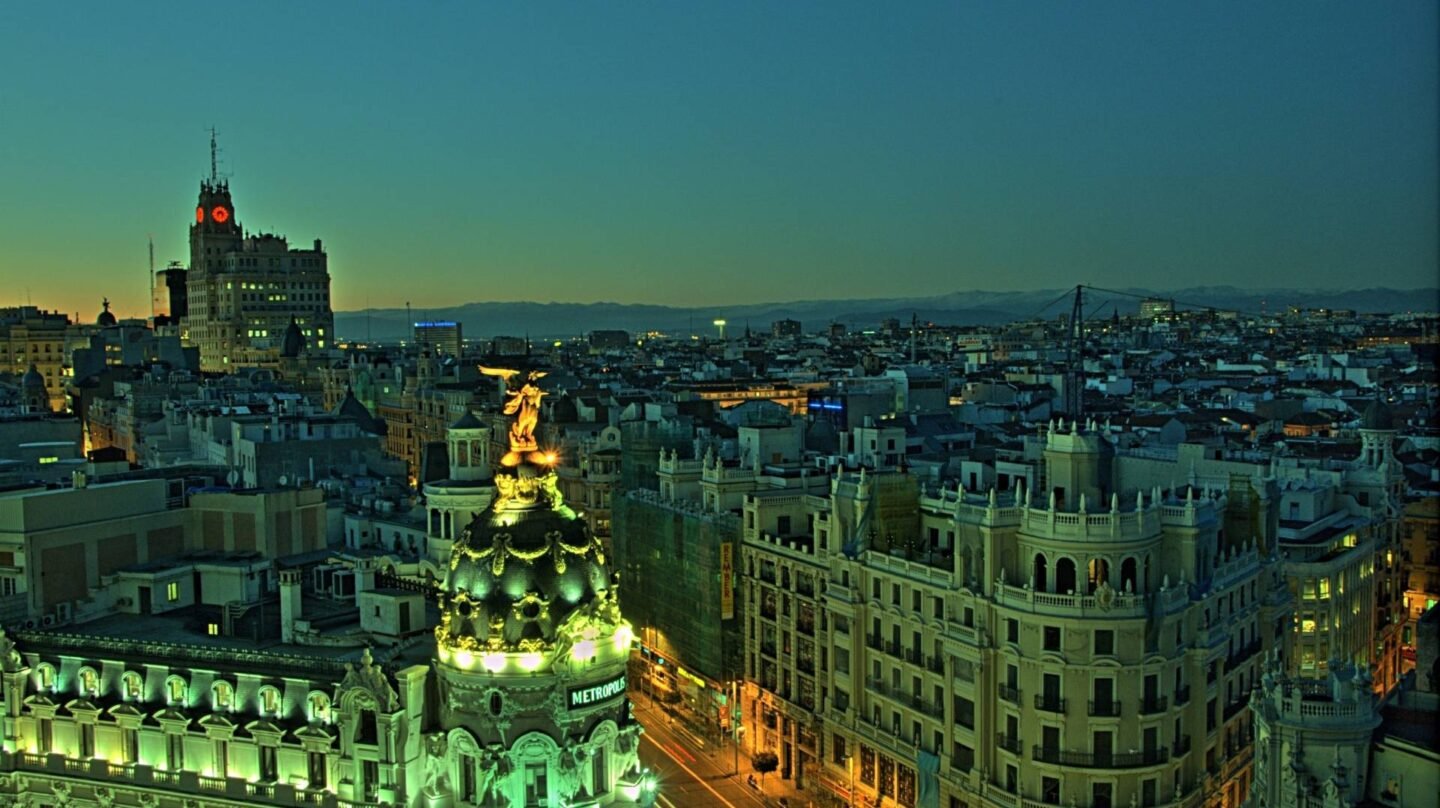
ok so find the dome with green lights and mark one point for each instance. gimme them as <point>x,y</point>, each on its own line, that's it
<point>526,577</point>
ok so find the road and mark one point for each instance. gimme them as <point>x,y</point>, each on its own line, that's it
<point>691,772</point>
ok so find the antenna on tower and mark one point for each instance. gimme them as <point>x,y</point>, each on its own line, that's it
<point>214,155</point>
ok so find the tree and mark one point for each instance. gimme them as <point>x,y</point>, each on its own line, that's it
<point>764,763</point>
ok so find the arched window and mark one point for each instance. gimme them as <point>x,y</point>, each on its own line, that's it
<point>319,707</point>
<point>46,672</point>
<point>1098,571</point>
<point>1040,573</point>
<point>89,682</point>
<point>175,688</point>
<point>1065,576</point>
<point>269,701</point>
<point>1128,581</point>
<point>222,695</point>
<point>132,685</point>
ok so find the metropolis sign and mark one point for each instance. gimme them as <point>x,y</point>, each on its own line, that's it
<point>594,694</point>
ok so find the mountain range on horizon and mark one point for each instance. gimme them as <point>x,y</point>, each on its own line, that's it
<point>973,307</point>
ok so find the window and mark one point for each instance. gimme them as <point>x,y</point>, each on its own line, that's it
<point>1052,638</point>
<point>269,700</point>
<point>1104,642</point>
<point>224,695</point>
<point>1012,630</point>
<point>267,764</point>
<point>87,741</point>
<point>133,685</point>
<point>129,744</point>
<point>174,752</point>
<point>964,758</point>
<point>964,712</point>
<point>317,770</point>
<point>221,751</point>
<point>213,630</point>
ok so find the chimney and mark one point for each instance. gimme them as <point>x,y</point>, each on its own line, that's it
<point>289,603</point>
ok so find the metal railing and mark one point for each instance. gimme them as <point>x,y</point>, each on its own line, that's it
<point>1049,703</point>
<point>1108,709</point>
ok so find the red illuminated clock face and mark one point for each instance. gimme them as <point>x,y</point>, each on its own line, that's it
<point>200,214</point>
<point>220,215</point>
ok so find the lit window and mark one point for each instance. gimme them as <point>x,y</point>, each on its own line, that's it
<point>213,630</point>
<point>172,591</point>
<point>45,461</point>
<point>224,694</point>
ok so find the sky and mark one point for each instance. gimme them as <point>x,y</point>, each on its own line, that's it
<point>699,153</point>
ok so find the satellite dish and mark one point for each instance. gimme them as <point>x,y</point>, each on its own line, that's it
<point>232,478</point>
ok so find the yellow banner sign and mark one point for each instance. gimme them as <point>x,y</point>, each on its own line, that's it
<point>727,581</point>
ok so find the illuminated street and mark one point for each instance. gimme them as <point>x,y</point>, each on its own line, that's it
<point>691,772</point>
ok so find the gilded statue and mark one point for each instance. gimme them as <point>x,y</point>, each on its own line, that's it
<point>523,402</point>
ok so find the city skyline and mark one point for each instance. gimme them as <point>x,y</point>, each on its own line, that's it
<point>730,156</point>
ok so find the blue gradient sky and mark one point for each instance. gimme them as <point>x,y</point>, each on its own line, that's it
<point>691,153</point>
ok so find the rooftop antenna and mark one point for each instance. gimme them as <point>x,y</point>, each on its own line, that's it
<point>914,330</point>
<point>1074,370</point>
<point>408,322</point>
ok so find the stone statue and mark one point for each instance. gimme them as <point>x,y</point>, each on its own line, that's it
<point>437,768</point>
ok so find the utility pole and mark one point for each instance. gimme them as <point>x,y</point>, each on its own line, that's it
<point>152,281</point>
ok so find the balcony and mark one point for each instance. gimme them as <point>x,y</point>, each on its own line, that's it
<point>1010,694</point>
<point>1049,703</point>
<point>873,642</point>
<point>1182,696</point>
<point>1150,705</point>
<point>935,664</point>
<point>1181,747</point>
<point>893,649</point>
<point>1008,743</point>
<point>1101,760</point>
<point>1105,709</point>
<point>1235,707</point>
<point>914,657</point>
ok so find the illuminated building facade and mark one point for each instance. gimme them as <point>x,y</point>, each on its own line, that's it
<point>531,650</point>
<point>440,336</point>
<point>31,336</point>
<point>171,698</point>
<point>1093,644</point>
<point>243,289</point>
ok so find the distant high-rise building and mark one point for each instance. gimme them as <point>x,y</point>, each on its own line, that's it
<point>170,300</point>
<point>1153,307</point>
<point>609,339</point>
<point>442,335</point>
<point>785,328</point>
<point>243,289</point>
